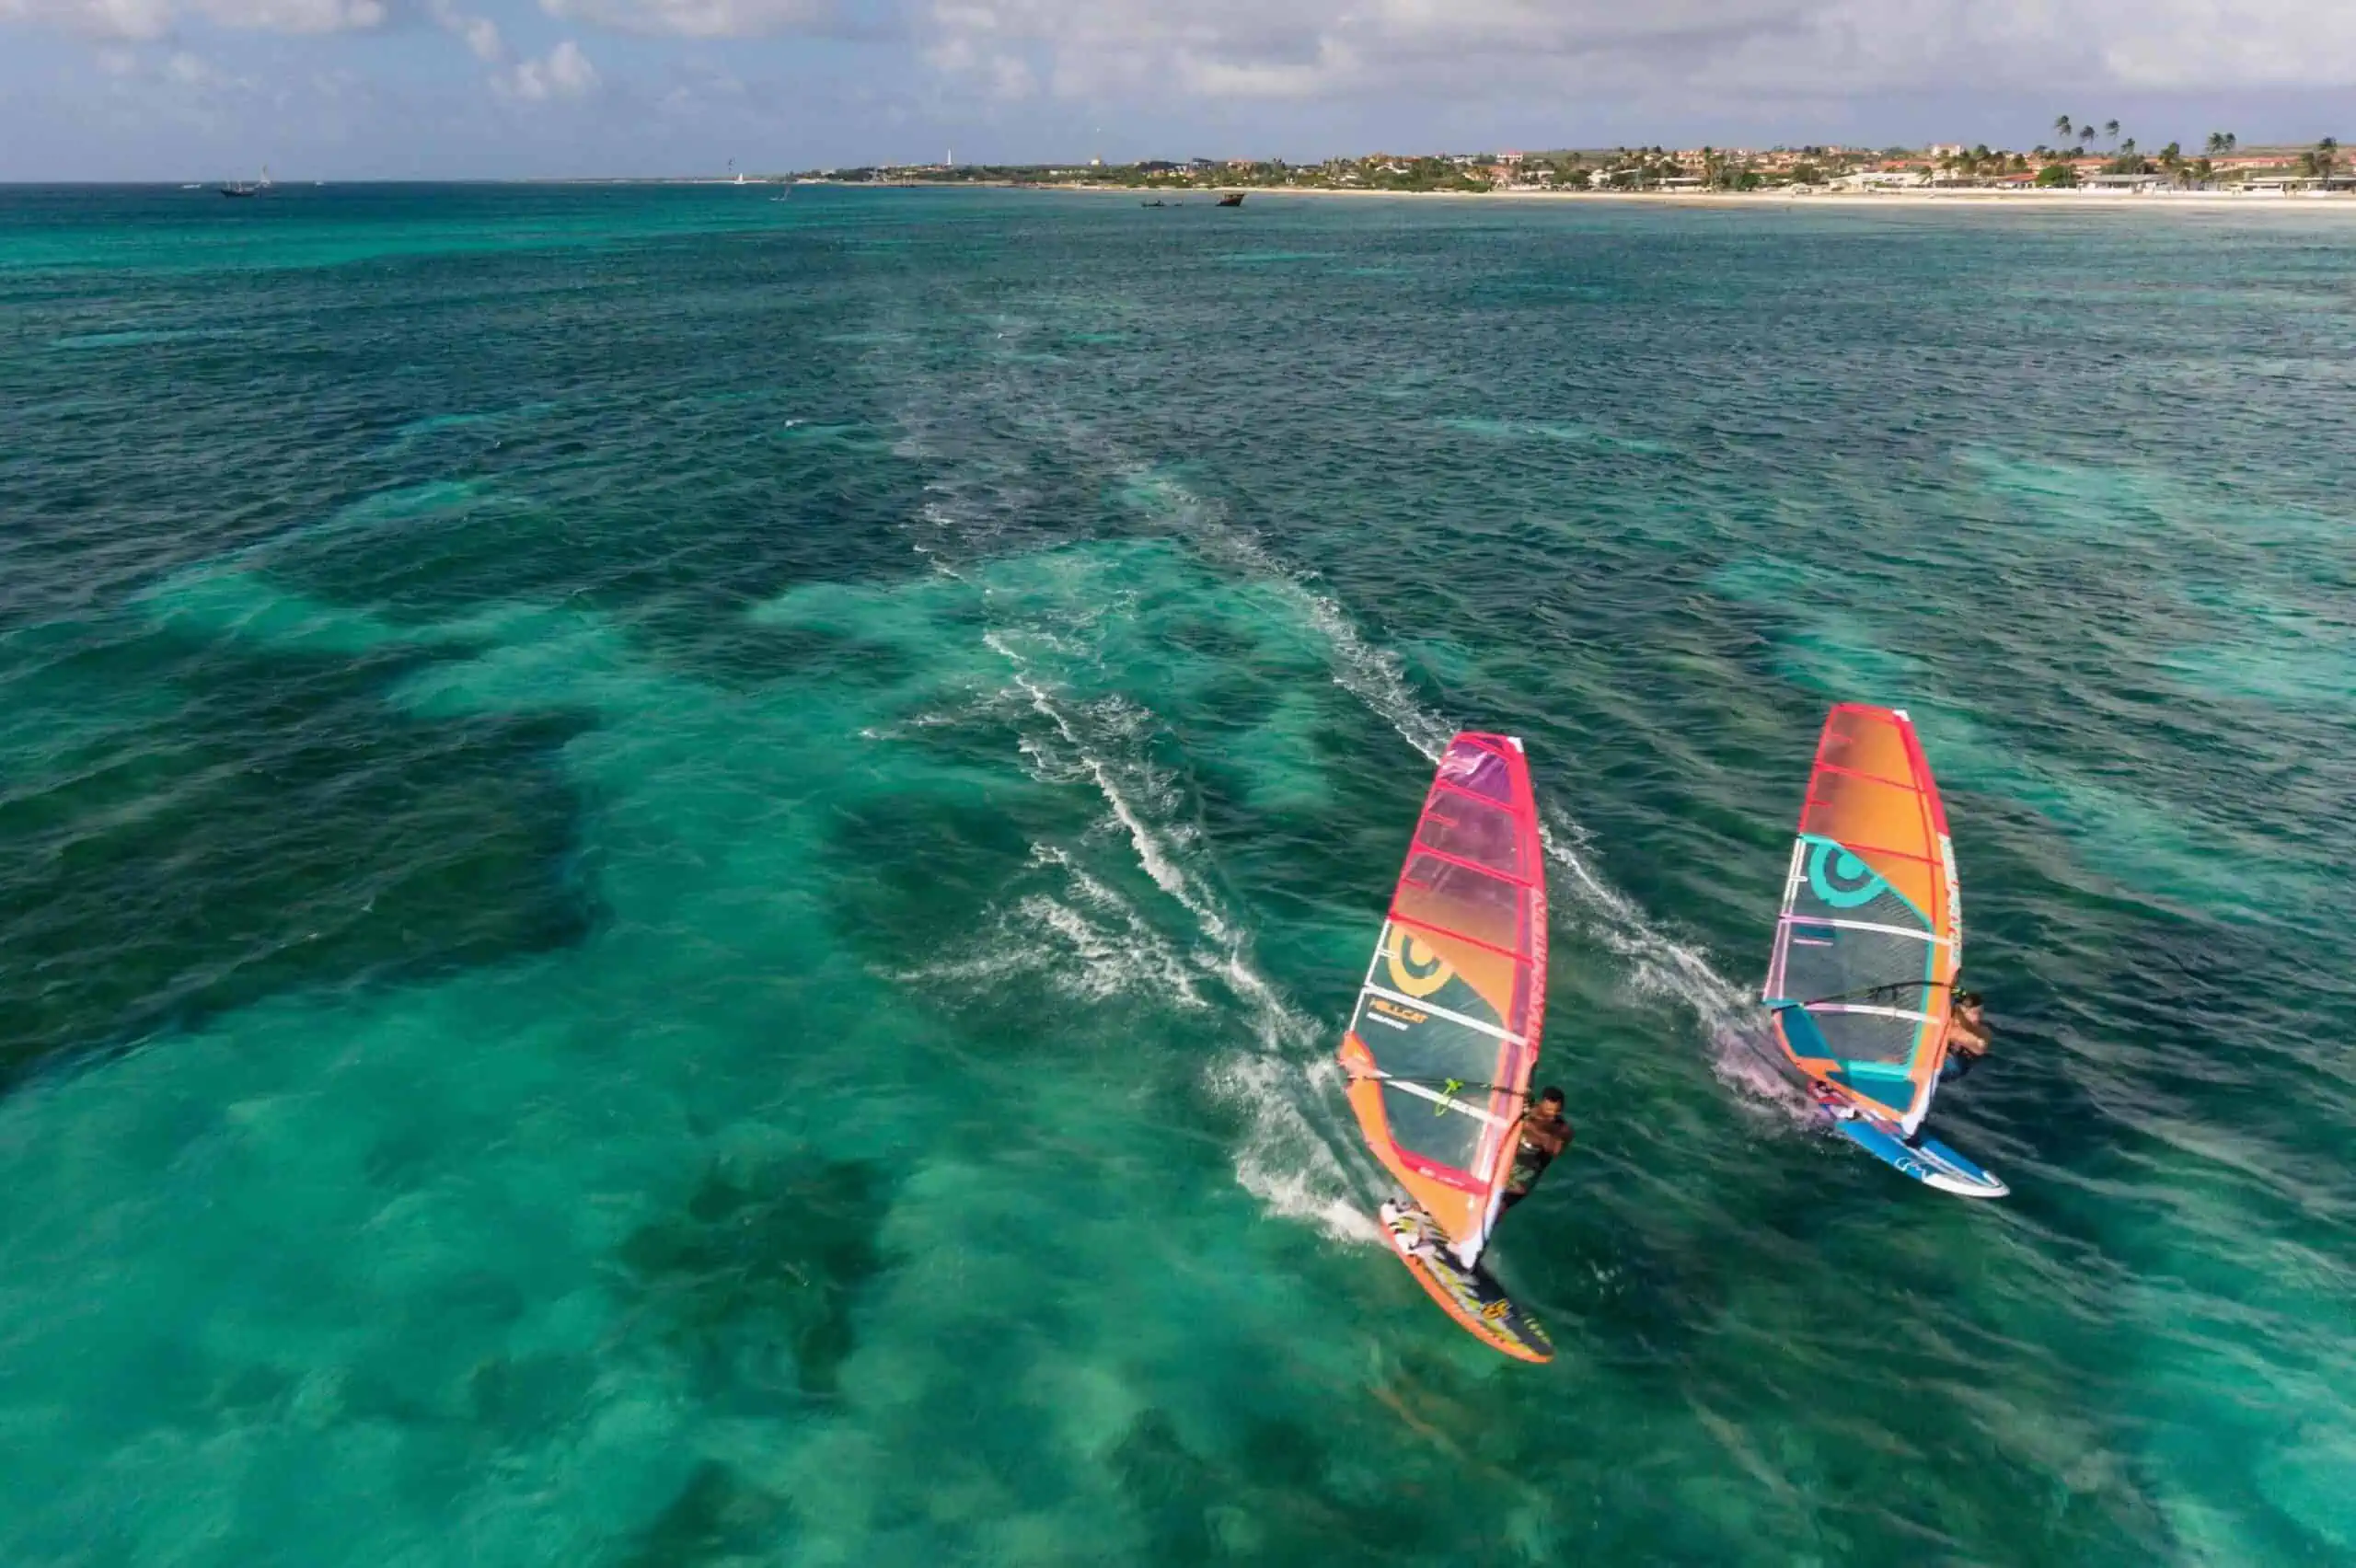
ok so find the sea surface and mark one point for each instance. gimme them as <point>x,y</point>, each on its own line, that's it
<point>678,872</point>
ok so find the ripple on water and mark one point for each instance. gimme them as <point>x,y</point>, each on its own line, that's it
<point>674,886</point>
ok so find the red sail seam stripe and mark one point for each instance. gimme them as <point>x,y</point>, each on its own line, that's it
<point>1420,847</point>
<point>1906,784</point>
<point>1511,808</point>
<point>1459,936</point>
<point>1872,849</point>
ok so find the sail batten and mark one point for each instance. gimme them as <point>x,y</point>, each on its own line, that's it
<point>1445,1035</point>
<point>1870,935</point>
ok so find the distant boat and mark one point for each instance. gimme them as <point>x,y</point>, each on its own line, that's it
<point>1153,204</point>
<point>237,189</point>
<point>1232,199</point>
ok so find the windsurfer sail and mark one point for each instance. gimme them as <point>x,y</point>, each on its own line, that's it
<point>1445,1037</point>
<point>1870,940</point>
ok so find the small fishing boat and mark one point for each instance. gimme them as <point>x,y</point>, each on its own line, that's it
<point>242,187</point>
<point>1232,199</point>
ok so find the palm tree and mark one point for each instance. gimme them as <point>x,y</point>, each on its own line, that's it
<point>2111,129</point>
<point>2326,155</point>
<point>2216,143</point>
<point>2232,141</point>
<point>2062,126</point>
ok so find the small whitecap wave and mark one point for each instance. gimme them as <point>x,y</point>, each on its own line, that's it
<point>1660,965</point>
<point>1284,1161</point>
<point>1085,940</point>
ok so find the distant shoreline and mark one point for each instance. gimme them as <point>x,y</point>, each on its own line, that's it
<point>1202,195</point>
<point>2162,201</point>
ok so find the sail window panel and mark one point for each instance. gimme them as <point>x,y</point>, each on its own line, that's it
<point>1488,909</point>
<point>1869,1037</point>
<point>1479,769</point>
<point>1824,962</point>
<point>1466,829</point>
<point>1430,1052</point>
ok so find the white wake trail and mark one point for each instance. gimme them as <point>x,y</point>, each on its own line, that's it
<point>1284,1159</point>
<point>1656,963</point>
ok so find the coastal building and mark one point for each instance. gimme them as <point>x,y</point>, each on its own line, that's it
<point>1899,179</point>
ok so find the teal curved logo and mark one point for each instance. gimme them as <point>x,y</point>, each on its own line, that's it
<point>1841,878</point>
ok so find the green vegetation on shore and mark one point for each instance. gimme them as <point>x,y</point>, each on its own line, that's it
<point>2075,159</point>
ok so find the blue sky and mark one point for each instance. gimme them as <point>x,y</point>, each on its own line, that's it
<point>201,89</point>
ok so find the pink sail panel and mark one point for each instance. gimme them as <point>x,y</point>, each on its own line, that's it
<point>1445,1037</point>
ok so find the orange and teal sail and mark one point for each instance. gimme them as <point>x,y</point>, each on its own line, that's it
<point>1445,1038</point>
<point>1871,935</point>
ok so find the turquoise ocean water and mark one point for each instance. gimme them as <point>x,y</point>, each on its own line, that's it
<point>677,873</point>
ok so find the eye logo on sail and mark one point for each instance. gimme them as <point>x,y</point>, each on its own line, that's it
<point>1415,969</point>
<point>1841,877</point>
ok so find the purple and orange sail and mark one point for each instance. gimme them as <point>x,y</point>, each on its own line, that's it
<point>1445,1037</point>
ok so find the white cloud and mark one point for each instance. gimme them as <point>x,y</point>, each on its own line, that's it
<point>1008,75</point>
<point>481,34</point>
<point>192,71</point>
<point>1307,49</point>
<point>179,77</point>
<point>700,19</point>
<point>145,19</point>
<point>563,72</point>
<point>94,19</point>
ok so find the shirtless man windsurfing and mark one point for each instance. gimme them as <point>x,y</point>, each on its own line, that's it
<point>1967,1036</point>
<point>1545,1132</point>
